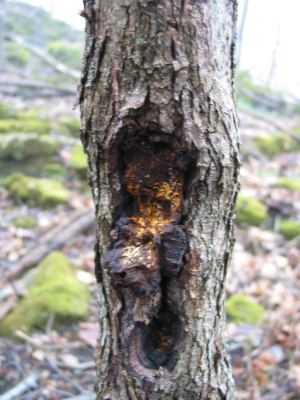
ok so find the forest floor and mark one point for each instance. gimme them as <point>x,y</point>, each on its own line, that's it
<point>58,363</point>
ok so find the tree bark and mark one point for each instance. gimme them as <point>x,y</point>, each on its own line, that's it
<point>160,130</point>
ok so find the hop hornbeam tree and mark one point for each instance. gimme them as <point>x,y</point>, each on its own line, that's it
<point>160,129</point>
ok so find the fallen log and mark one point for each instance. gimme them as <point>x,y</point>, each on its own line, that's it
<point>25,87</point>
<point>53,240</point>
<point>43,55</point>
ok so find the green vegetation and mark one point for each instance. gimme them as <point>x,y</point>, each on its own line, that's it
<point>25,125</point>
<point>17,55</point>
<point>34,23</point>
<point>289,229</point>
<point>288,183</point>
<point>55,290</point>
<point>78,160</point>
<point>55,170</point>
<point>70,126</point>
<point>242,309</point>
<point>275,143</point>
<point>67,53</point>
<point>25,222</point>
<point>22,146</point>
<point>253,95</point>
<point>6,111</point>
<point>35,191</point>
<point>245,81</point>
<point>250,211</point>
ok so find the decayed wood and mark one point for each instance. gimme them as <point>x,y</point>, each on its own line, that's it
<point>53,240</point>
<point>160,130</point>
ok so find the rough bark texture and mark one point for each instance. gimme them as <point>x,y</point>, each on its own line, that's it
<point>160,130</point>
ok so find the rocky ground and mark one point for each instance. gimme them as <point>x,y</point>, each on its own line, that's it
<point>51,351</point>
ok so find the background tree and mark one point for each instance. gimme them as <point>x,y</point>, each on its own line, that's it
<point>160,130</point>
<point>2,17</point>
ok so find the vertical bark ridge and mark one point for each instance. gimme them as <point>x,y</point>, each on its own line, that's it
<point>158,118</point>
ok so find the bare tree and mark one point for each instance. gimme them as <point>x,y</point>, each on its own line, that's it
<point>241,29</point>
<point>160,129</point>
<point>2,32</point>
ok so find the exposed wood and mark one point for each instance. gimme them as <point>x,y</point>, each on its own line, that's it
<point>53,240</point>
<point>160,129</point>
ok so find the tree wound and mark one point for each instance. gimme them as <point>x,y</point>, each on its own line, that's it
<point>149,244</point>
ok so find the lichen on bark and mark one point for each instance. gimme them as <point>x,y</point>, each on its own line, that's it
<point>160,130</point>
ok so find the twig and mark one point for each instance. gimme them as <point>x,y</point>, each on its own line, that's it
<point>90,396</point>
<point>63,377</point>
<point>27,384</point>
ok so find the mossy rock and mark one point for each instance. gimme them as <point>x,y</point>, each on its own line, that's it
<point>54,170</point>
<point>69,126</point>
<point>288,183</point>
<point>23,146</point>
<point>289,229</point>
<point>39,126</point>
<point>17,55</point>
<point>78,160</point>
<point>250,211</point>
<point>6,111</point>
<point>35,191</point>
<point>25,222</point>
<point>55,290</point>
<point>275,143</point>
<point>242,309</point>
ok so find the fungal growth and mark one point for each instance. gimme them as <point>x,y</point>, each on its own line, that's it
<point>149,243</point>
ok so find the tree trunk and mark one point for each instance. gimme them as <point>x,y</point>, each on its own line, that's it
<point>160,130</point>
<point>2,32</point>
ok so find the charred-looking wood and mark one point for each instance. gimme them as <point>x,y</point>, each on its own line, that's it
<point>148,243</point>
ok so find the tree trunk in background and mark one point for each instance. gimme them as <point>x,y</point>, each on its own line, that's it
<point>2,33</point>
<point>240,33</point>
<point>160,130</point>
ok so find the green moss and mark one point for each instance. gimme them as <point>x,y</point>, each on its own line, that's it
<point>78,160</point>
<point>6,111</point>
<point>67,53</point>
<point>275,143</point>
<point>35,191</point>
<point>54,170</point>
<point>55,290</point>
<point>289,229</point>
<point>25,222</point>
<point>242,309</point>
<point>250,211</point>
<point>28,115</point>
<point>69,126</point>
<point>17,55</point>
<point>22,146</point>
<point>288,183</point>
<point>25,125</point>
